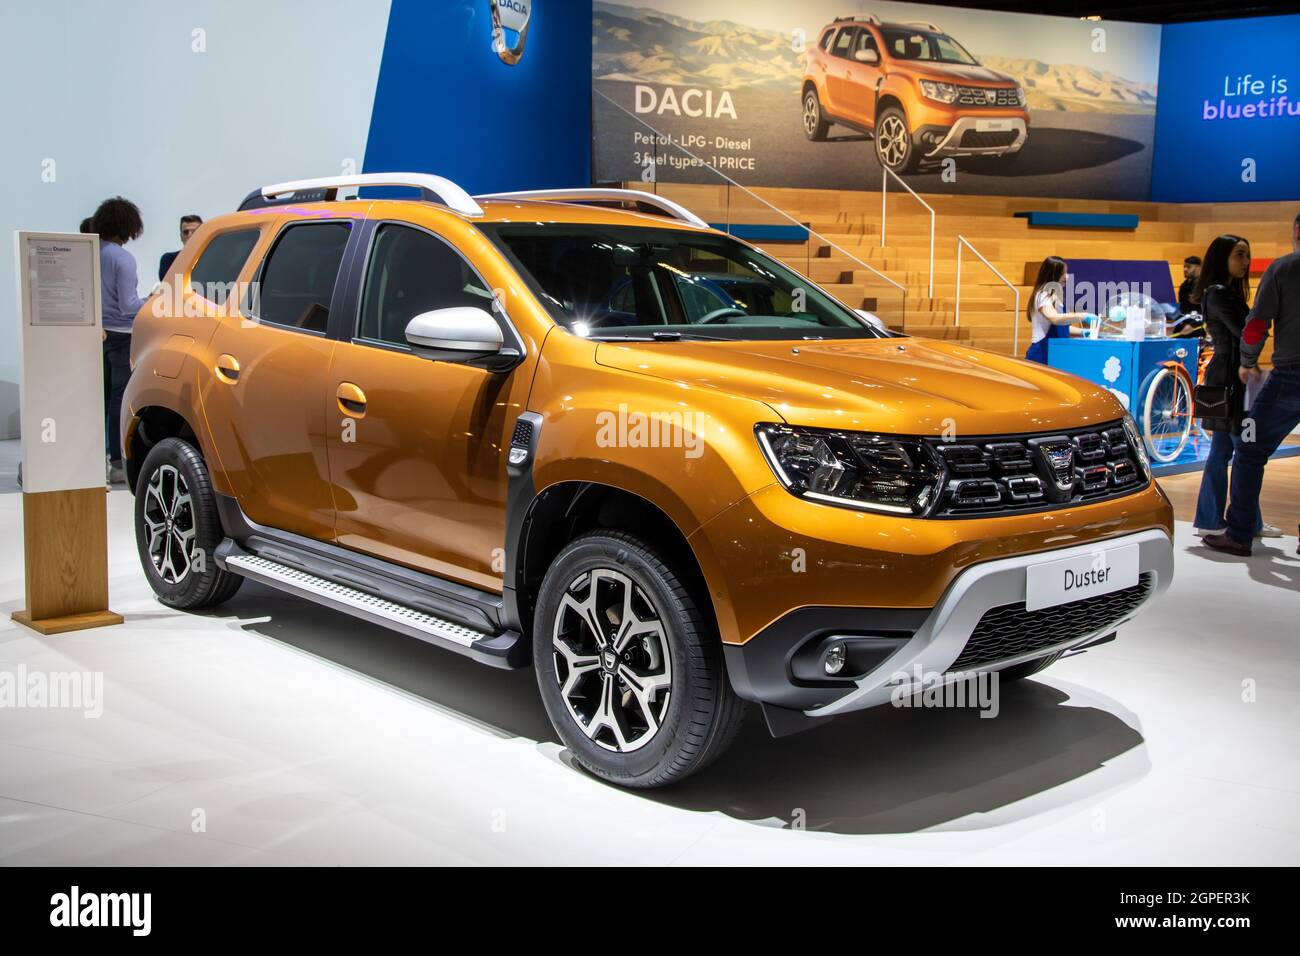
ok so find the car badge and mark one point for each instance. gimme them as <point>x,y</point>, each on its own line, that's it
<point>1059,459</point>
<point>513,16</point>
<point>990,96</point>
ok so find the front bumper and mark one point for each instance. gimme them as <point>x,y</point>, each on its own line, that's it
<point>974,136</point>
<point>906,647</point>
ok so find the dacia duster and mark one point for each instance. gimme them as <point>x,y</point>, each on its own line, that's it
<point>585,432</point>
<point>918,91</point>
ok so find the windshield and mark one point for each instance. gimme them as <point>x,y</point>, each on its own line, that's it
<point>607,282</point>
<point>923,45</point>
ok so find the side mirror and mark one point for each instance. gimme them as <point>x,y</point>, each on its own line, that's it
<point>867,56</point>
<point>459,334</point>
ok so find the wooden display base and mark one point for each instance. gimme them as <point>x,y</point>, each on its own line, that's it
<point>65,545</point>
<point>69,622</point>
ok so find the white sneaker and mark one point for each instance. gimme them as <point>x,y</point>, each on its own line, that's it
<point>1269,531</point>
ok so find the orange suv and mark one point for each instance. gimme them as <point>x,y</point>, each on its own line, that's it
<point>583,431</point>
<point>915,89</point>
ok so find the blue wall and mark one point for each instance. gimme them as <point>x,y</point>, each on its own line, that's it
<point>447,104</point>
<point>1198,158</point>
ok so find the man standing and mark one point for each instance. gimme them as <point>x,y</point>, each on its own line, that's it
<point>1276,410</point>
<point>1191,272</point>
<point>189,226</point>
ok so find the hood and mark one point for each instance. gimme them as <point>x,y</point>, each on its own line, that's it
<point>906,386</point>
<point>950,72</point>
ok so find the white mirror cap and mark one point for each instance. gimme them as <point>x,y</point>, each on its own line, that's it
<point>462,329</point>
<point>866,56</point>
<point>872,318</point>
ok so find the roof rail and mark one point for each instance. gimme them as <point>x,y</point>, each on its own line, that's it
<point>597,196</point>
<point>862,18</point>
<point>923,24</point>
<point>326,189</point>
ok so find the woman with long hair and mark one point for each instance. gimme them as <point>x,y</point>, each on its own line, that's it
<point>1046,318</point>
<point>1223,289</point>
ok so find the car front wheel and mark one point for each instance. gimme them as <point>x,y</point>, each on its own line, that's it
<point>629,669</point>
<point>894,146</point>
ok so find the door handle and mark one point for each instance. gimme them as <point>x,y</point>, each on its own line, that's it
<point>352,401</point>
<point>227,368</point>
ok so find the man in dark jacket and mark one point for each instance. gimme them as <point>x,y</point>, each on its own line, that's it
<point>1276,410</point>
<point>189,226</point>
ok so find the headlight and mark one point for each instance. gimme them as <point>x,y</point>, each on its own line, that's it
<point>943,92</point>
<point>1020,95</point>
<point>852,469</point>
<point>1139,446</point>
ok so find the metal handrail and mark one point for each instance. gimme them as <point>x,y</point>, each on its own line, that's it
<point>885,173</point>
<point>780,212</point>
<point>956,318</point>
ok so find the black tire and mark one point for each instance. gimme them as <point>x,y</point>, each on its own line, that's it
<point>1027,668</point>
<point>895,147</point>
<point>815,126</point>
<point>700,715</point>
<point>200,583</point>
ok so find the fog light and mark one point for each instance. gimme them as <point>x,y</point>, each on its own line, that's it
<point>835,658</point>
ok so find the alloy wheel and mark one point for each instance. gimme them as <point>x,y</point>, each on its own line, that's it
<point>811,113</point>
<point>612,660</point>
<point>891,141</point>
<point>169,520</point>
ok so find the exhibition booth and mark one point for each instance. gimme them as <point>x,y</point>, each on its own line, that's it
<point>680,433</point>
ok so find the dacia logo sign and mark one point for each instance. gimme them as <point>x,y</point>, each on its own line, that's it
<point>512,16</point>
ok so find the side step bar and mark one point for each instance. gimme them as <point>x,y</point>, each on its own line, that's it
<point>504,649</point>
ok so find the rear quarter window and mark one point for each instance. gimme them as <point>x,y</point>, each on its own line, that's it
<point>219,265</point>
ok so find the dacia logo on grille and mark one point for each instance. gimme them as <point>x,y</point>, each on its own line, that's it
<point>512,15</point>
<point>1059,458</point>
<point>990,96</point>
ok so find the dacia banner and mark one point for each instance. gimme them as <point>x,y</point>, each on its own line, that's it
<point>825,93</point>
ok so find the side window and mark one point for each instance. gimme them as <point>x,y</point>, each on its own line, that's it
<point>219,265</point>
<point>844,42</point>
<point>412,271</point>
<point>297,281</point>
<point>825,41</point>
<point>867,41</point>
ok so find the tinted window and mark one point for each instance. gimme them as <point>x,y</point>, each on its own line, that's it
<point>412,272</point>
<point>298,277</point>
<point>866,41</point>
<point>219,265</point>
<point>825,42</point>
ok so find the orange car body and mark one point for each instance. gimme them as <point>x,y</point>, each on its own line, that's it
<point>860,68</point>
<point>424,481</point>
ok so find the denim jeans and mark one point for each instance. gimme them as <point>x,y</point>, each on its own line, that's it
<point>117,369</point>
<point>1274,413</point>
<point>1213,498</point>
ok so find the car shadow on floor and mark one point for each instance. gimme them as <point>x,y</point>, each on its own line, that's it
<point>886,770</point>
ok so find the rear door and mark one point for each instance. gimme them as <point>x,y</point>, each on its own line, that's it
<point>264,397</point>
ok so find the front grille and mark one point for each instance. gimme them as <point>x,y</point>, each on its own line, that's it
<point>1022,473</point>
<point>1009,631</point>
<point>977,139</point>
<point>980,96</point>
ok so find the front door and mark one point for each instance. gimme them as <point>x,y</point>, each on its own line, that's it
<point>416,447</point>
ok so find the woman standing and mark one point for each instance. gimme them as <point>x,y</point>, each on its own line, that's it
<point>1045,305</point>
<point>117,221</point>
<point>1223,290</point>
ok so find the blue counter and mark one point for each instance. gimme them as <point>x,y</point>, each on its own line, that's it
<point>1123,367</point>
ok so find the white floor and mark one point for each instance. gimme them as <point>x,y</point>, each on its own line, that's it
<point>295,735</point>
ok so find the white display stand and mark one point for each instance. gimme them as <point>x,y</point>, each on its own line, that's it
<point>61,395</point>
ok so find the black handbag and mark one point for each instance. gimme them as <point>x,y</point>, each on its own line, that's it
<point>1213,401</point>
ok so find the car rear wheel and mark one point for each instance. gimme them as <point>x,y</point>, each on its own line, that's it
<point>629,669</point>
<point>894,146</point>
<point>177,529</point>
<point>815,126</point>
